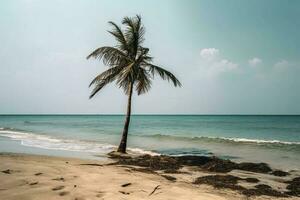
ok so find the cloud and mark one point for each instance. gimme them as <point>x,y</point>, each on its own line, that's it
<point>254,61</point>
<point>281,65</point>
<point>209,54</point>
<point>213,63</point>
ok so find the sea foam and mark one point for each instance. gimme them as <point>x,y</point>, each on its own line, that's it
<point>223,139</point>
<point>48,142</point>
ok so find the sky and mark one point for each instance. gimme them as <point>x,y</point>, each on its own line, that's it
<point>232,57</point>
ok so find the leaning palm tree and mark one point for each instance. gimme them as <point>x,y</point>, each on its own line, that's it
<point>129,65</point>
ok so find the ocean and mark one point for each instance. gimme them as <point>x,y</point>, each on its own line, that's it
<point>271,139</point>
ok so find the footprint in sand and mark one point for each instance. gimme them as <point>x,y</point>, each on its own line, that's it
<point>126,193</point>
<point>64,193</point>
<point>34,183</point>
<point>79,198</point>
<point>9,171</point>
<point>58,188</point>
<point>59,179</point>
<point>100,194</point>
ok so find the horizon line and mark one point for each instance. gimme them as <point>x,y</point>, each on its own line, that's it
<point>142,114</point>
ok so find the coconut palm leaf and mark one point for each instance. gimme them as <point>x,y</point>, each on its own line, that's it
<point>110,56</point>
<point>118,34</point>
<point>164,74</point>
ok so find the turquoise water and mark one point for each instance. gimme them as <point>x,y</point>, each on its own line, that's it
<point>271,139</point>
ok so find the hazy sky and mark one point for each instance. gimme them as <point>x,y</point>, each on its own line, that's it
<point>232,57</point>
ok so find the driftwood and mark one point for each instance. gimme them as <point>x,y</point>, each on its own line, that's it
<point>156,188</point>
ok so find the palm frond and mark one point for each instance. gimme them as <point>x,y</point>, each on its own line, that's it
<point>125,77</point>
<point>105,74</point>
<point>110,56</point>
<point>143,82</point>
<point>134,33</point>
<point>118,34</point>
<point>110,78</point>
<point>164,74</point>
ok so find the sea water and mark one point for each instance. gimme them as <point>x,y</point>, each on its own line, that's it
<point>271,139</point>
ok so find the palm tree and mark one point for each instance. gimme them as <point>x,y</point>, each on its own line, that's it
<point>129,65</point>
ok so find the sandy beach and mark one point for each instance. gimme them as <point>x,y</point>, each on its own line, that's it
<point>43,177</point>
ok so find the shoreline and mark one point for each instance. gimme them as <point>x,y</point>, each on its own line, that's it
<point>27,176</point>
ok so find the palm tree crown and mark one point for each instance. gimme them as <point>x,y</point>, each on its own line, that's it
<point>129,62</point>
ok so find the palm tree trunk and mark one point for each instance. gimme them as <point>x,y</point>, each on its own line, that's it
<point>123,143</point>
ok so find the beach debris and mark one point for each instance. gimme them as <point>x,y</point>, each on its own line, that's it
<point>170,178</point>
<point>172,171</point>
<point>144,170</point>
<point>219,181</point>
<point>126,184</point>
<point>58,188</point>
<point>156,188</point>
<point>75,186</point>
<point>280,173</point>
<point>126,193</point>
<point>219,165</point>
<point>251,180</point>
<point>174,163</point>
<point>59,179</point>
<point>293,187</point>
<point>263,189</point>
<point>67,162</point>
<point>93,164</point>
<point>231,182</point>
<point>63,193</point>
<point>151,162</point>
<point>34,183</point>
<point>8,171</point>
<point>38,174</point>
<point>254,167</point>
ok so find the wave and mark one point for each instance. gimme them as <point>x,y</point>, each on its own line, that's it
<point>48,142</point>
<point>223,139</point>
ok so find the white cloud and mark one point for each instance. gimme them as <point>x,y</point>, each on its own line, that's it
<point>209,54</point>
<point>213,64</point>
<point>254,61</point>
<point>281,65</point>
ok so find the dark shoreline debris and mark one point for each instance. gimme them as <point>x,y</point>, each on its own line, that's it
<point>170,178</point>
<point>231,182</point>
<point>280,173</point>
<point>173,164</point>
<point>293,187</point>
